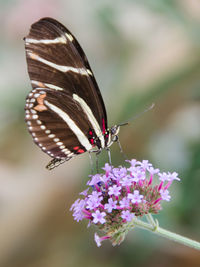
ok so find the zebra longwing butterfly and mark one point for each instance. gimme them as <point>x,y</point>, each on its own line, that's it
<point>65,112</point>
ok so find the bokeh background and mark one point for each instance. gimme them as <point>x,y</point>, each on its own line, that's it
<point>141,52</point>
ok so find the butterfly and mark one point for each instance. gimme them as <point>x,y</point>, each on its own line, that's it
<point>64,111</point>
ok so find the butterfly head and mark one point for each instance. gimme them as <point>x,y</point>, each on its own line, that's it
<point>113,133</point>
<point>114,130</point>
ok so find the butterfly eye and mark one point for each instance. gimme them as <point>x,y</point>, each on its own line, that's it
<point>114,130</point>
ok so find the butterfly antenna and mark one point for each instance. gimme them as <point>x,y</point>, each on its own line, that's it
<point>128,122</point>
<point>137,115</point>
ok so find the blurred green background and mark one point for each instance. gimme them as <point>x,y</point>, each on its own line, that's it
<point>141,52</point>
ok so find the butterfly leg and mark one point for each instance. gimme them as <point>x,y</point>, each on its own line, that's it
<point>109,155</point>
<point>56,162</point>
<point>91,162</point>
<point>121,150</point>
<point>97,160</point>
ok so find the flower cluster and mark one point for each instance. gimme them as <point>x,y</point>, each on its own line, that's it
<point>118,195</point>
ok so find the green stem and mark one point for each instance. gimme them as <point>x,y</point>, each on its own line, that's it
<point>155,228</point>
<point>151,220</point>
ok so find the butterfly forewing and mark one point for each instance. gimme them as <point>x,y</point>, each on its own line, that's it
<point>65,112</point>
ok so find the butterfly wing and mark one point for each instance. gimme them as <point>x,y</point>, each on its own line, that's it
<point>65,111</point>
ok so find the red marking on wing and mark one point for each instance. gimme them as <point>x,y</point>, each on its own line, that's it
<point>76,147</point>
<point>41,107</point>
<point>81,151</point>
<point>40,84</point>
<point>92,141</point>
<point>103,126</point>
<point>90,133</point>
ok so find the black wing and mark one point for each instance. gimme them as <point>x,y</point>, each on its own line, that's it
<point>65,111</point>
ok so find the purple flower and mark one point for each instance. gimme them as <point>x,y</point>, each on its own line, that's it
<point>84,193</point>
<point>127,215</point>
<point>173,176</point>
<point>78,207</point>
<point>153,171</point>
<point>144,164</point>
<point>94,195</point>
<point>97,240</point>
<point>132,169</point>
<point>98,217</point>
<point>132,162</point>
<point>94,180</point>
<point>93,203</point>
<point>78,216</point>
<point>119,172</point>
<point>74,204</point>
<point>114,190</point>
<point>105,179</point>
<point>94,200</point>
<point>165,195</point>
<point>124,203</point>
<point>137,173</point>
<point>135,197</point>
<point>126,181</point>
<point>163,176</point>
<point>107,168</point>
<point>116,195</point>
<point>138,176</point>
<point>110,205</point>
